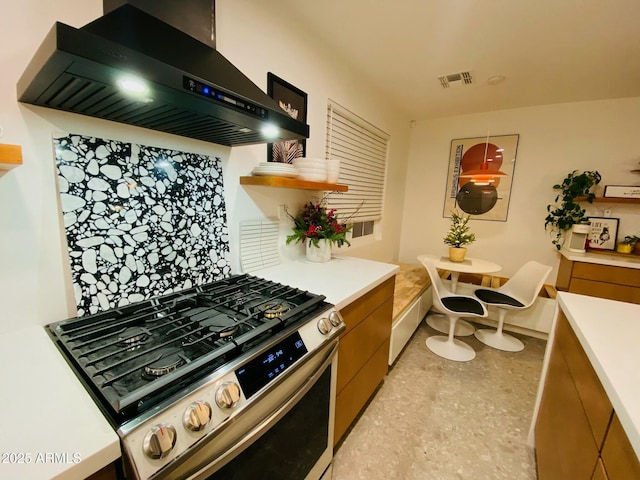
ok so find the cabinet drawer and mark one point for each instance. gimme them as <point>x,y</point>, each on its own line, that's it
<point>565,447</point>
<point>612,291</point>
<point>599,473</point>
<point>359,345</point>
<point>358,310</point>
<point>619,458</point>
<point>356,394</point>
<point>594,399</point>
<point>607,274</point>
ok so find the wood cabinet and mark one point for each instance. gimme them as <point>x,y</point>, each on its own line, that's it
<point>577,433</point>
<point>363,353</point>
<point>596,280</point>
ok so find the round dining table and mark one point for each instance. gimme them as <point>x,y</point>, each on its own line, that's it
<point>469,265</point>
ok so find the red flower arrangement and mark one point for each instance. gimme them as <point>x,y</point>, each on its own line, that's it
<point>316,222</point>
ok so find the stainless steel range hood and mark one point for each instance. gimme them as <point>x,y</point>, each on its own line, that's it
<point>188,89</point>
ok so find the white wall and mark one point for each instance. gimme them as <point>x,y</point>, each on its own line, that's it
<point>554,140</point>
<point>258,37</point>
<point>35,285</point>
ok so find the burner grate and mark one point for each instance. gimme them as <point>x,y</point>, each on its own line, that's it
<point>131,354</point>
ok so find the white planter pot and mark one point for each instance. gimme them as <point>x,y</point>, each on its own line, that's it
<point>321,253</point>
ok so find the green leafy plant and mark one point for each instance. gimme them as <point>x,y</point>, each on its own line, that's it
<point>566,212</point>
<point>630,240</point>
<point>316,222</point>
<point>459,233</point>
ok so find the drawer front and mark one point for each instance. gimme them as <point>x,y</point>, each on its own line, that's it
<point>402,330</point>
<point>619,458</point>
<point>607,274</point>
<point>594,399</point>
<point>599,473</point>
<point>356,394</point>
<point>359,345</point>
<point>358,310</point>
<point>612,291</point>
<point>565,448</point>
<point>426,301</point>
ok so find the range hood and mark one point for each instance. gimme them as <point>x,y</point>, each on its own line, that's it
<point>189,88</point>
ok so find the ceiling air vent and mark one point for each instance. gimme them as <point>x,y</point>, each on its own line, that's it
<point>456,79</point>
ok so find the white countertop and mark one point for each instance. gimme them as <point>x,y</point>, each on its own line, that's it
<point>47,419</point>
<point>609,332</point>
<point>628,261</point>
<point>341,281</point>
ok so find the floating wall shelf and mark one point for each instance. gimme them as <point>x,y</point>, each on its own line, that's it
<point>610,200</point>
<point>10,156</point>
<point>268,181</point>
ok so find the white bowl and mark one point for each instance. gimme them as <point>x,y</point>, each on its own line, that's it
<point>310,162</point>
<point>313,177</point>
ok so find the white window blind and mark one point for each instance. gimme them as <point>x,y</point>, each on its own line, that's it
<point>362,151</point>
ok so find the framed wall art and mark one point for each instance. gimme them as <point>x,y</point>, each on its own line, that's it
<point>603,233</point>
<point>480,176</point>
<point>294,102</point>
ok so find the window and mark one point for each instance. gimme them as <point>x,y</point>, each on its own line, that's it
<point>362,151</point>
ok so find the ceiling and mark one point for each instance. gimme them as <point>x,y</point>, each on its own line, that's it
<point>549,51</point>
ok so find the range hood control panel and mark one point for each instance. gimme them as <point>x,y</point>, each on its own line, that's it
<point>213,93</point>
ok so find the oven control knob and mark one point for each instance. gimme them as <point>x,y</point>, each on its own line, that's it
<point>227,394</point>
<point>334,318</point>
<point>324,325</point>
<point>159,441</point>
<point>196,416</point>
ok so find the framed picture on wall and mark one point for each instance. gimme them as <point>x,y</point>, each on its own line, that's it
<point>480,176</point>
<point>294,102</point>
<point>603,233</point>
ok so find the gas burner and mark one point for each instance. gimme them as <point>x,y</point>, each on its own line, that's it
<point>167,363</point>
<point>222,324</point>
<point>133,337</point>
<point>275,309</point>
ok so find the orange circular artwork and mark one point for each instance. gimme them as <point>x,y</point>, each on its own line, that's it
<point>473,159</point>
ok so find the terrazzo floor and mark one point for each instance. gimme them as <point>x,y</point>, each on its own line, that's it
<point>433,419</point>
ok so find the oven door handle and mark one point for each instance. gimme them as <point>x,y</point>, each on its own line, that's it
<point>268,421</point>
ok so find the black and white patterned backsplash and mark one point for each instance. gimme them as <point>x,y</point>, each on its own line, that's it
<point>140,221</point>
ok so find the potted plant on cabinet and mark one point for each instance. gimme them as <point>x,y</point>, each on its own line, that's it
<point>631,243</point>
<point>567,212</point>
<point>459,235</point>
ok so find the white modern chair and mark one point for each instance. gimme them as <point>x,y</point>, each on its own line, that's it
<point>518,293</point>
<point>453,306</point>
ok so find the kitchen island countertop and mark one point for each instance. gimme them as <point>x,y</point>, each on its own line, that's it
<point>51,427</point>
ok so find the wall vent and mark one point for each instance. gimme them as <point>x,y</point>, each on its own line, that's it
<point>456,79</point>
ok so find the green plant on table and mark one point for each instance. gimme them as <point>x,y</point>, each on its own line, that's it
<point>459,233</point>
<point>566,211</point>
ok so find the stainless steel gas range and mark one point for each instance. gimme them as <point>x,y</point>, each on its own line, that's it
<point>234,379</point>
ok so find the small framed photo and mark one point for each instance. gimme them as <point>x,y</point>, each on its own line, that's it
<point>603,234</point>
<point>294,102</point>
<point>622,191</point>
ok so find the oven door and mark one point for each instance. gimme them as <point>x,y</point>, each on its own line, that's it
<point>287,434</point>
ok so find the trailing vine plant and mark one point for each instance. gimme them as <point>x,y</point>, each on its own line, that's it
<point>566,212</point>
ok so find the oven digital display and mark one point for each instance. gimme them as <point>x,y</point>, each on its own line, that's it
<point>261,370</point>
